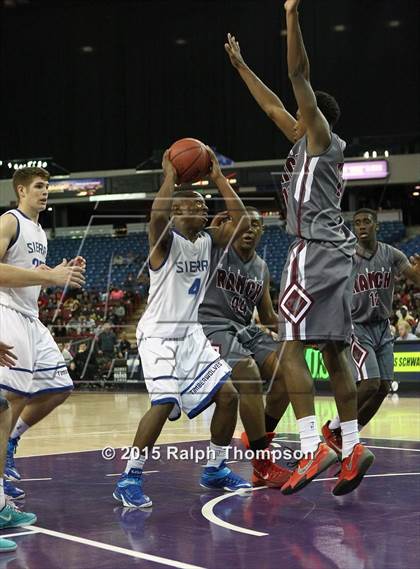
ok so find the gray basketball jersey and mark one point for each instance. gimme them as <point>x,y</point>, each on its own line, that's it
<point>312,188</point>
<point>234,288</point>
<point>374,282</point>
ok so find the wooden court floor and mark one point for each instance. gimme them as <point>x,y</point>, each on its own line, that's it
<point>90,421</point>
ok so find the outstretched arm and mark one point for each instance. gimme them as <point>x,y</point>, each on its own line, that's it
<point>225,233</point>
<point>159,228</point>
<point>61,275</point>
<point>318,129</point>
<point>267,100</point>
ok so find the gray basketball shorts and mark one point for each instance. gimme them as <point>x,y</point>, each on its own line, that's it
<point>236,343</point>
<point>315,294</point>
<point>372,351</point>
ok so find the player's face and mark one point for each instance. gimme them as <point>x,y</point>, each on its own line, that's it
<point>251,238</point>
<point>194,212</point>
<point>300,127</point>
<point>35,195</point>
<point>365,227</point>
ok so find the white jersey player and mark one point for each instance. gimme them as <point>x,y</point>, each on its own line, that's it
<point>17,277</point>
<point>40,374</point>
<point>182,370</point>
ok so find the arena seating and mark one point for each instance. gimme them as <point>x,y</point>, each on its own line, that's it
<point>98,252</point>
<point>410,247</point>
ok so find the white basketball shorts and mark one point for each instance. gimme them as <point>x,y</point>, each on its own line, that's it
<point>40,367</point>
<point>187,372</point>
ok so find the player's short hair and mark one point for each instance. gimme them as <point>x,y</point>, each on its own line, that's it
<point>182,194</point>
<point>24,176</point>
<point>371,212</point>
<point>328,107</point>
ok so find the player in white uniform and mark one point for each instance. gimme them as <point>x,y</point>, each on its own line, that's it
<point>39,381</point>
<point>15,277</point>
<point>182,370</point>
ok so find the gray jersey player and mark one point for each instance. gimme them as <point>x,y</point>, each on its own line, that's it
<point>375,266</point>
<point>315,291</point>
<point>238,285</point>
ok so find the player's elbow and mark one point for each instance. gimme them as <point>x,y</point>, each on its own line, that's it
<point>297,72</point>
<point>273,111</point>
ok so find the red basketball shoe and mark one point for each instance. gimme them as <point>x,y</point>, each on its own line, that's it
<point>266,472</point>
<point>308,468</point>
<point>353,468</point>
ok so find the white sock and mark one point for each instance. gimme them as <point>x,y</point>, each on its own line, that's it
<point>335,423</point>
<point>216,455</point>
<point>2,498</point>
<point>135,463</point>
<point>350,436</point>
<point>19,429</point>
<point>309,436</point>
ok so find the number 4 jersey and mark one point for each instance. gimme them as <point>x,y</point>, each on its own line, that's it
<point>27,250</point>
<point>374,282</point>
<point>177,288</point>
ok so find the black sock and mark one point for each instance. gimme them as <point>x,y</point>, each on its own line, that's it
<point>259,444</point>
<point>270,423</point>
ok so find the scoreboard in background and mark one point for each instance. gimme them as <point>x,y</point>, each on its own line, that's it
<point>406,363</point>
<point>78,187</point>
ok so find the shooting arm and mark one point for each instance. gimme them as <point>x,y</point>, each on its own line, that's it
<point>159,227</point>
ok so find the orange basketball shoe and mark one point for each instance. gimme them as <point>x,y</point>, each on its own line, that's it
<point>266,472</point>
<point>308,468</point>
<point>353,468</point>
<point>333,438</point>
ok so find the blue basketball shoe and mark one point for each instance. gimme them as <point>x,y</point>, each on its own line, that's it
<point>129,490</point>
<point>223,478</point>
<point>12,491</point>
<point>10,471</point>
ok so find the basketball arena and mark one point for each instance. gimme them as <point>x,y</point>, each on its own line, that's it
<point>209,284</point>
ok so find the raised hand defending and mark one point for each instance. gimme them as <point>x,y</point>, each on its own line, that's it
<point>234,52</point>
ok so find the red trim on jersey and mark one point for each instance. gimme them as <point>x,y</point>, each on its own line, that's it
<point>302,194</point>
<point>359,355</point>
<point>294,279</point>
<point>295,287</point>
<point>295,274</point>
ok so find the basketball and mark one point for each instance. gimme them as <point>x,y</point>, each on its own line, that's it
<point>190,159</point>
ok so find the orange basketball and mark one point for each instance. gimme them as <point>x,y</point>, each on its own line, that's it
<point>190,159</point>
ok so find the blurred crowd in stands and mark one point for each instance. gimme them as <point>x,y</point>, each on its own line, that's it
<point>405,320</point>
<point>90,326</point>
